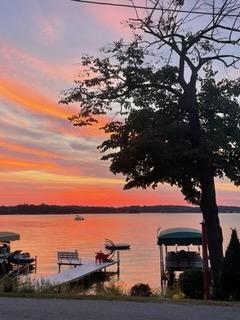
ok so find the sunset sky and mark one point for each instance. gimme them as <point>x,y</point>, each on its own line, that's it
<point>43,158</point>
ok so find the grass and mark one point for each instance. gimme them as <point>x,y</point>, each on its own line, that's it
<point>31,287</point>
<point>111,291</point>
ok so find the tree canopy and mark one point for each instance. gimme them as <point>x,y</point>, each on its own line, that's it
<point>152,141</point>
<point>172,118</point>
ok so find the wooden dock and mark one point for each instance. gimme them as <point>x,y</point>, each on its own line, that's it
<point>78,273</point>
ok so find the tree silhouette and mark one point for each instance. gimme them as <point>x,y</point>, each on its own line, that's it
<point>231,268</point>
<point>174,122</point>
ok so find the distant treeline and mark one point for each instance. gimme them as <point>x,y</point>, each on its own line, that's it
<point>55,209</point>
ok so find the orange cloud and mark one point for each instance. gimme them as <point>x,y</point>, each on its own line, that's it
<point>16,169</point>
<point>54,179</point>
<point>37,187</point>
<point>24,94</point>
<point>23,149</point>
<point>14,163</point>
<point>83,190</point>
<point>226,186</point>
<point>30,99</point>
<point>96,195</point>
<point>89,131</point>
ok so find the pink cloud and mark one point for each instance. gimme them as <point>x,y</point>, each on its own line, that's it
<point>113,17</point>
<point>24,60</point>
<point>49,28</point>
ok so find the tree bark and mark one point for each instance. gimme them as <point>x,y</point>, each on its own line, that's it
<point>209,210</point>
<point>208,202</point>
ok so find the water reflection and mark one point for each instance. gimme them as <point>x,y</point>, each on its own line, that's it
<point>43,236</point>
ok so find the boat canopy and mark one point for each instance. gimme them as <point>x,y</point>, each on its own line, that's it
<point>180,236</point>
<point>6,236</point>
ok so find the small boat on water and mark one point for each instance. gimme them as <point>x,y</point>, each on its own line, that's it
<point>79,218</point>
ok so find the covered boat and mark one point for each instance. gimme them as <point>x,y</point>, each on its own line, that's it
<point>7,258</point>
<point>180,237</point>
<point>19,257</point>
<point>183,259</point>
<point>179,259</point>
<point>7,236</point>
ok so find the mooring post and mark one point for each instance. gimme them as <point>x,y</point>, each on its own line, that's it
<point>162,271</point>
<point>205,260</point>
<point>118,262</point>
<point>35,269</point>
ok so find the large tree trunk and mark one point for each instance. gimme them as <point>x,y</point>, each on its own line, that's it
<point>214,232</point>
<point>208,202</point>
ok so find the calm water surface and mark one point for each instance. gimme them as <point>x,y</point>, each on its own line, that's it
<point>43,236</point>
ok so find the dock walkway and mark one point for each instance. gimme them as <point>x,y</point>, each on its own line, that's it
<point>80,272</point>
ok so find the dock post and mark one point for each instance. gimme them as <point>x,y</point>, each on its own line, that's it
<point>35,269</point>
<point>162,271</point>
<point>205,260</point>
<point>118,262</point>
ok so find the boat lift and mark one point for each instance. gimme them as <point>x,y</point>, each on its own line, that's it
<point>178,260</point>
<point>112,248</point>
<point>15,261</point>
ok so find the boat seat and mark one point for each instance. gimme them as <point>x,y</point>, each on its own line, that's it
<point>70,258</point>
<point>182,260</point>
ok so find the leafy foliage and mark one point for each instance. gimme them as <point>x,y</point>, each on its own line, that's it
<point>154,145</point>
<point>231,268</point>
<point>141,289</point>
<point>191,283</point>
<point>152,140</point>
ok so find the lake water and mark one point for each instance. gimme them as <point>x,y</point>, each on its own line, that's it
<point>43,236</point>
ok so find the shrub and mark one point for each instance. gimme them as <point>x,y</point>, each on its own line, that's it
<point>110,290</point>
<point>192,284</point>
<point>8,285</point>
<point>174,292</point>
<point>231,269</point>
<point>141,289</point>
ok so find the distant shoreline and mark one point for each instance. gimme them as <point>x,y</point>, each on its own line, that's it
<point>45,209</point>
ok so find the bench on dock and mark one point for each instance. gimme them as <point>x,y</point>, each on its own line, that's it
<point>68,258</point>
